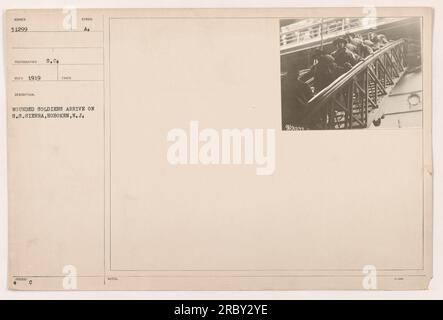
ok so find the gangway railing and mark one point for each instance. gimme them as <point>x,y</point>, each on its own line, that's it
<point>351,100</point>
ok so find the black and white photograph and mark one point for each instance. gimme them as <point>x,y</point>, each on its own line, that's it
<point>351,73</point>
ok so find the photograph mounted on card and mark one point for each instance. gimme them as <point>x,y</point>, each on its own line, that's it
<point>219,149</point>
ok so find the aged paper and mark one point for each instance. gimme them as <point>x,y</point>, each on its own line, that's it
<point>271,149</point>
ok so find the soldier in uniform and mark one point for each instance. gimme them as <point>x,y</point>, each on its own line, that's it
<point>378,41</point>
<point>343,56</point>
<point>353,42</point>
<point>295,96</point>
<point>358,46</point>
<point>383,40</point>
<point>324,70</point>
<point>365,50</point>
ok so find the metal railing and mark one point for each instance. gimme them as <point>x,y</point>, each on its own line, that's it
<point>312,30</point>
<point>348,101</point>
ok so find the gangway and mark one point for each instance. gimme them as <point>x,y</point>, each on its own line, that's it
<point>351,100</point>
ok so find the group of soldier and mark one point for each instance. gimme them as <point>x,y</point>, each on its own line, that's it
<point>349,50</point>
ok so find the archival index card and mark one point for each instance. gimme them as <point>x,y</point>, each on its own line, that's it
<point>191,149</point>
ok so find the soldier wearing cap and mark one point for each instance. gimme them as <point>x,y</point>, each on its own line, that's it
<point>365,50</point>
<point>353,42</point>
<point>343,56</point>
<point>324,71</point>
<point>357,45</point>
<point>355,39</point>
<point>377,40</point>
<point>382,39</point>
